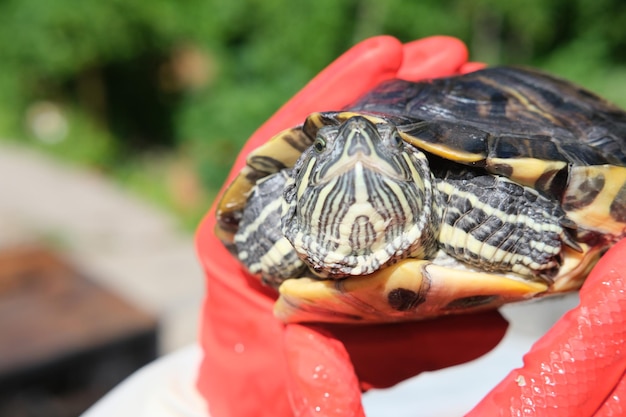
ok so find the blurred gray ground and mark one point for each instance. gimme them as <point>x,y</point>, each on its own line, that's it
<point>125,244</point>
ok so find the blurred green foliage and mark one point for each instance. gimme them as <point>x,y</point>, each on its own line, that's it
<point>142,88</point>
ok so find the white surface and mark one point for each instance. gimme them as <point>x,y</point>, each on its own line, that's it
<point>166,388</point>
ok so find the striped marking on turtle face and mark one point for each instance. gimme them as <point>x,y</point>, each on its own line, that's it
<point>360,201</point>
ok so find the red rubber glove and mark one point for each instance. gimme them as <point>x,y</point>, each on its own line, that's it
<point>254,365</point>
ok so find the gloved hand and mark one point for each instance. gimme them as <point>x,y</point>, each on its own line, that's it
<point>254,364</point>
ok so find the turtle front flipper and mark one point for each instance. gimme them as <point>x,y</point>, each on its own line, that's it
<point>264,250</point>
<point>409,290</point>
<point>496,225</point>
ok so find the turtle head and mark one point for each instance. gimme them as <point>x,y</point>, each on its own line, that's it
<point>360,198</point>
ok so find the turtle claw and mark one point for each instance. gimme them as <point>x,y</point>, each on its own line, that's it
<point>410,290</point>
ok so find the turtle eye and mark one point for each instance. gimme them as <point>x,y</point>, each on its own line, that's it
<point>319,145</point>
<point>396,140</point>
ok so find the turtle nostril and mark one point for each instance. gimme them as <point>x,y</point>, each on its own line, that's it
<point>359,144</point>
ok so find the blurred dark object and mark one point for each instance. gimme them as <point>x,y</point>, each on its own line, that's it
<point>64,341</point>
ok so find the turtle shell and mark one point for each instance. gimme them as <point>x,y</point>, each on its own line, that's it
<point>537,130</point>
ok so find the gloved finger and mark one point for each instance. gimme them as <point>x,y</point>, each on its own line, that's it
<point>322,381</point>
<point>436,56</point>
<point>576,366</point>
<point>471,67</point>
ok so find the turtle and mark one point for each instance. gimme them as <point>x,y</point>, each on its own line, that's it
<point>429,198</point>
